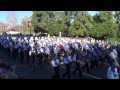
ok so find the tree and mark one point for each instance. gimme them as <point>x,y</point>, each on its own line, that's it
<point>59,23</point>
<point>104,24</point>
<point>81,24</point>
<point>11,19</point>
<point>72,23</point>
<point>51,22</point>
<point>117,18</point>
<point>39,20</point>
<point>25,26</point>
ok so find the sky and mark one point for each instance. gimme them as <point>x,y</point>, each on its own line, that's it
<point>92,12</point>
<point>22,14</point>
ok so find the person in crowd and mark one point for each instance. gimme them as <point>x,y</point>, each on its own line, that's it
<point>67,63</point>
<point>86,65</point>
<point>113,57</point>
<point>4,76</point>
<point>27,54</point>
<point>112,72</point>
<point>46,60</point>
<point>78,59</point>
<point>22,56</point>
<point>91,58</point>
<point>41,57</point>
<point>1,74</point>
<point>33,56</point>
<point>12,74</point>
<point>52,46</point>
<point>56,66</point>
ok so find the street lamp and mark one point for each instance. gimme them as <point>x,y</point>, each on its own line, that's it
<point>3,27</point>
<point>21,30</point>
<point>30,25</point>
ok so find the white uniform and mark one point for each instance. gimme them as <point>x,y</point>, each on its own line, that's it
<point>115,52</point>
<point>76,46</point>
<point>66,59</point>
<point>113,56</point>
<point>55,63</point>
<point>74,57</point>
<point>70,58</point>
<point>41,50</point>
<point>55,51</point>
<point>66,47</point>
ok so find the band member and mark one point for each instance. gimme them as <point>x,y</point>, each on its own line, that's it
<point>85,55</point>
<point>40,57</point>
<point>96,58</point>
<point>13,53</point>
<point>112,72</point>
<point>78,58</point>
<point>33,55</point>
<point>113,57</point>
<point>27,54</point>
<point>67,62</point>
<point>55,64</point>
<point>21,55</point>
<point>46,58</point>
<point>91,58</point>
<point>104,54</point>
<point>8,50</point>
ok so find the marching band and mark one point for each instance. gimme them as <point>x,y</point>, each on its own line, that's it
<point>60,50</point>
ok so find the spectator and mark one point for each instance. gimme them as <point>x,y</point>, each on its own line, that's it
<point>11,74</point>
<point>4,76</point>
<point>1,73</point>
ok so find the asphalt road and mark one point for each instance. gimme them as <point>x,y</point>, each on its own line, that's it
<point>47,72</point>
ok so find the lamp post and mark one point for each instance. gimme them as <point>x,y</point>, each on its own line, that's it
<point>21,30</point>
<point>30,25</point>
<point>3,27</point>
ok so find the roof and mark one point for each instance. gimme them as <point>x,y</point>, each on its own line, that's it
<point>12,32</point>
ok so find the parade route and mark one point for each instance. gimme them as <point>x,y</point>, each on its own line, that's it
<point>59,45</point>
<point>47,71</point>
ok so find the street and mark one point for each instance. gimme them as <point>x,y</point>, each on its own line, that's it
<point>47,72</point>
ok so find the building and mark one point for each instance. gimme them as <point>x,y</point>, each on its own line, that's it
<point>12,32</point>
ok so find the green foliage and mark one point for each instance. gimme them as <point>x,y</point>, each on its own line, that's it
<point>104,25</point>
<point>26,29</point>
<point>76,23</point>
<point>82,24</point>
